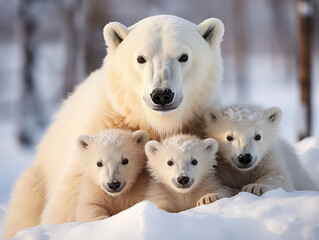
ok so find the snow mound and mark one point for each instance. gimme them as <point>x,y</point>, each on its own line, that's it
<point>308,151</point>
<point>275,215</point>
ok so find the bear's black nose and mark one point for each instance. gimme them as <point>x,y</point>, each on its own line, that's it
<point>245,158</point>
<point>162,96</point>
<point>114,185</point>
<point>183,180</point>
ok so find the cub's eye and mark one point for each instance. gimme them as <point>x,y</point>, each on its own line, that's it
<point>194,162</point>
<point>141,60</point>
<point>183,58</point>
<point>124,161</point>
<point>170,163</point>
<point>99,164</point>
<point>229,138</point>
<point>257,137</point>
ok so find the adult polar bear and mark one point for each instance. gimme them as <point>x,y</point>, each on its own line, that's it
<point>158,75</point>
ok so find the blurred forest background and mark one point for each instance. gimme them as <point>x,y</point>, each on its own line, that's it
<point>47,47</point>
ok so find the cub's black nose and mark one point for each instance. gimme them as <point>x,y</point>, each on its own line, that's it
<point>162,96</point>
<point>183,180</point>
<point>114,185</point>
<point>245,158</point>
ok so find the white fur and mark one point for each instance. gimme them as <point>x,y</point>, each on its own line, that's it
<point>274,163</point>
<point>163,70</point>
<point>180,151</point>
<point>109,149</point>
<point>112,97</point>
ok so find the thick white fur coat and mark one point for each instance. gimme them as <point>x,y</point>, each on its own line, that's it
<point>117,96</point>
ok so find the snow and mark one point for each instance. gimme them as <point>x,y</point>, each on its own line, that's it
<point>275,215</point>
<point>14,159</point>
<point>112,137</point>
<point>184,146</point>
<point>244,113</point>
<point>308,150</point>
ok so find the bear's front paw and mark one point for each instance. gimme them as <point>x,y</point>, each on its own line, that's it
<point>255,188</point>
<point>208,198</point>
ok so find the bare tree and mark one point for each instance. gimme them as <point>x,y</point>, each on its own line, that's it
<point>305,10</point>
<point>74,15</point>
<point>240,38</point>
<point>96,18</point>
<point>25,104</point>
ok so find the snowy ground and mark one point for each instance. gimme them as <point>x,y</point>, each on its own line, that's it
<point>276,215</point>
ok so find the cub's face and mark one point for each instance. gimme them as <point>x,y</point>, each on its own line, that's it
<point>181,164</point>
<point>113,159</point>
<point>244,133</point>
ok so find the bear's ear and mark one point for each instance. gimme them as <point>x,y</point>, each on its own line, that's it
<point>114,33</point>
<point>152,147</point>
<point>83,142</point>
<point>140,137</point>
<point>211,115</point>
<point>210,145</point>
<point>212,30</point>
<point>273,115</point>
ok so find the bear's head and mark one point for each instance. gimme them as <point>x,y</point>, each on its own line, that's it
<point>245,133</point>
<point>164,68</point>
<point>181,162</point>
<point>113,158</point>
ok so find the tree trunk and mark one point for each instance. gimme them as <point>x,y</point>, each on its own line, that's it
<point>27,29</point>
<point>240,50</point>
<point>305,10</point>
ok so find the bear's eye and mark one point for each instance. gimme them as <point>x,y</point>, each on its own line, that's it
<point>124,161</point>
<point>194,162</point>
<point>170,163</point>
<point>99,164</point>
<point>229,138</point>
<point>141,60</point>
<point>183,58</point>
<point>257,137</point>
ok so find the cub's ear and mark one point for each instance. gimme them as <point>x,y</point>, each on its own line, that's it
<point>273,115</point>
<point>210,145</point>
<point>114,33</point>
<point>212,114</point>
<point>212,30</point>
<point>83,142</point>
<point>140,137</point>
<point>152,147</point>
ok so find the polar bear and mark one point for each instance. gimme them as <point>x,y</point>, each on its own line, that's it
<point>114,174</point>
<point>159,76</point>
<point>252,156</point>
<point>181,167</point>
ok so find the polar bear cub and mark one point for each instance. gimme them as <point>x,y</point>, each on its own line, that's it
<point>182,170</point>
<point>252,157</point>
<point>114,174</point>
